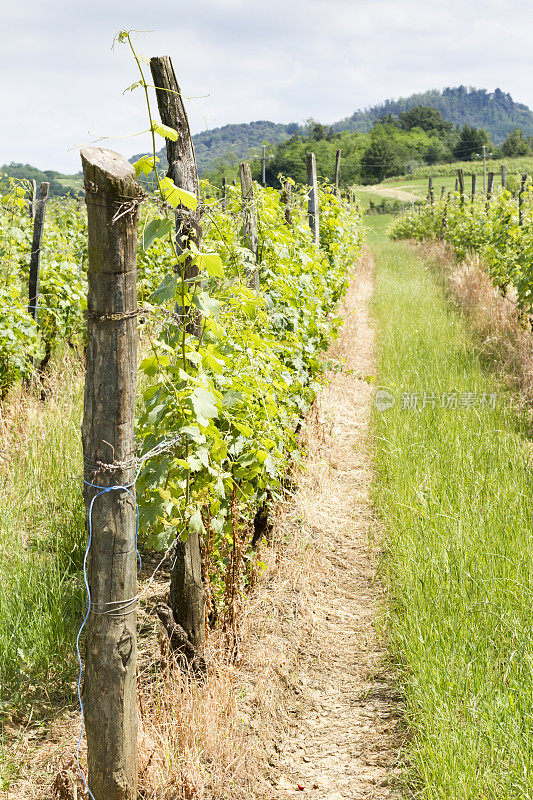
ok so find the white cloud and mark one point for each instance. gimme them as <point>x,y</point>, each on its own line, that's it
<point>283,60</point>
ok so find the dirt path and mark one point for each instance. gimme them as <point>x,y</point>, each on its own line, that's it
<point>344,733</point>
<point>393,193</point>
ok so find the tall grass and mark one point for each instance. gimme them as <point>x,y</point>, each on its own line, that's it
<point>41,546</point>
<point>453,488</point>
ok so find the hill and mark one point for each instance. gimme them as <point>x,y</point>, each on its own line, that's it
<point>232,143</point>
<point>495,111</point>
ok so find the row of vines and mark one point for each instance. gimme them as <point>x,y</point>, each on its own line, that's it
<point>498,229</point>
<point>231,398</point>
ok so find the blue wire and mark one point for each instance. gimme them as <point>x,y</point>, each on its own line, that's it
<point>87,549</point>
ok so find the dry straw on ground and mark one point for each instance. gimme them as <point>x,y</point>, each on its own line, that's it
<point>503,338</point>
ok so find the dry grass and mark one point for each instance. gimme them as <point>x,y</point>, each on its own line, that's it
<point>198,739</point>
<point>502,337</point>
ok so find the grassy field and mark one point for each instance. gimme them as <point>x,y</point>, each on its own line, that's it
<point>453,489</point>
<point>42,534</point>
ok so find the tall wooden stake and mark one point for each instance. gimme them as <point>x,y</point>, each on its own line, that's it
<point>249,226</point>
<point>181,168</point>
<point>187,591</point>
<point>286,197</point>
<point>461,179</point>
<point>35,258</point>
<point>312,206</point>
<point>490,183</point>
<point>337,172</point>
<point>521,199</point>
<point>474,182</point>
<point>107,434</point>
<point>224,203</point>
<point>263,169</point>
<point>32,200</point>
<point>503,172</point>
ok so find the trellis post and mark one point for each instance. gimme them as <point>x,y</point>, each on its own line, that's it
<point>249,223</point>
<point>35,258</point>
<point>110,699</point>
<point>337,172</point>
<point>187,591</point>
<point>312,205</point>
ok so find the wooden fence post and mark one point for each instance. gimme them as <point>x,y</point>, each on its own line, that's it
<point>444,215</point>
<point>442,191</point>
<point>490,183</point>
<point>32,200</point>
<point>461,179</point>
<point>263,168</point>
<point>35,258</point>
<point>224,204</point>
<point>110,698</point>
<point>337,172</point>
<point>456,189</point>
<point>187,591</point>
<point>474,183</point>
<point>249,223</point>
<point>181,168</point>
<point>286,197</point>
<point>503,172</point>
<point>312,205</point>
<point>523,180</point>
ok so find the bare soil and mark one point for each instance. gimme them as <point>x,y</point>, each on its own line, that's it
<point>344,735</point>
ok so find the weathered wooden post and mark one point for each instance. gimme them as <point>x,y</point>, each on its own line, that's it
<point>263,168</point>
<point>444,215</point>
<point>110,699</point>
<point>503,173</point>
<point>182,169</point>
<point>523,180</point>
<point>461,179</point>
<point>474,183</point>
<point>286,198</point>
<point>33,198</point>
<point>337,172</point>
<point>224,204</point>
<point>312,205</point>
<point>456,189</point>
<point>35,258</point>
<point>442,191</point>
<point>490,183</point>
<point>187,591</point>
<point>249,223</point>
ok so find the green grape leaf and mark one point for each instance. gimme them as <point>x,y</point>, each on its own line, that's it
<point>156,229</point>
<point>174,195</point>
<point>166,289</point>
<point>204,404</point>
<point>165,131</point>
<point>212,263</point>
<point>145,165</point>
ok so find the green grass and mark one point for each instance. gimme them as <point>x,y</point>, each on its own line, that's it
<point>453,488</point>
<point>376,226</point>
<point>42,533</point>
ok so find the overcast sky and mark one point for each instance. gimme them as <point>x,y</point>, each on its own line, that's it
<point>282,60</point>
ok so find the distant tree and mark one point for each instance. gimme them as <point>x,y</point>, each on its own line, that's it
<point>515,144</point>
<point>470,142</point>
<point>292,128</point>
<point>425,117</point>
<point>382,159</point>
<point>318,132</point>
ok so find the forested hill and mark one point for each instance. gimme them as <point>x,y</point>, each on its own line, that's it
<point>496,112</point>
<point>233,143</point>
